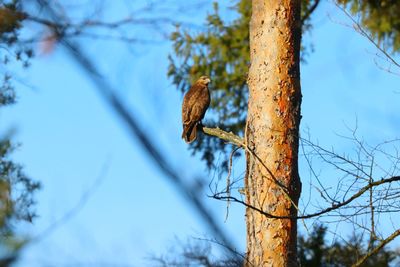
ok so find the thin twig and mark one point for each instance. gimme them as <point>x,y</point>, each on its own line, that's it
<point>358,28</point>
<point>77,208</point>
<point>106,90</point>
<point>361,261</point>
<point>316,214</point>
<point>228,181</point>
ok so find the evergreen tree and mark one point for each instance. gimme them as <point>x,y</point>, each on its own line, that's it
<point>316,251</point>
<point>221,51</point>
<point>381,18</point>
<point>224,53</point>
<point>16,188</point>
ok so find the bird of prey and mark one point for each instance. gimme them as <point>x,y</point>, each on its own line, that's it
<point>194,106</point>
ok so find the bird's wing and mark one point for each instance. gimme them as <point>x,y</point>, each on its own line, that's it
<point>185,114</point>
<point>200,106</point>
<point>197,112</point>
<point>189,100</point>
<point>186,108</point>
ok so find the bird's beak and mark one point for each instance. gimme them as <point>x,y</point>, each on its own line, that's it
<point>208,80</point>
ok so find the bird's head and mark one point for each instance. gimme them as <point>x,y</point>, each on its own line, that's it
<point>204,80</point>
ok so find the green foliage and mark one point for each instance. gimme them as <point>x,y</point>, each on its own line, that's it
<point>311,250</point>
<point>315,252</point>
<point>381,18</point>
<point>11,19</point>
<point>196,254</point>
<point>16,189</point>
<point>11,50</point>
<point>16,202</point>
<point>221,51</point>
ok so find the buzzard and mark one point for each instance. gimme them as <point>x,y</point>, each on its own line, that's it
<point>195,104</point>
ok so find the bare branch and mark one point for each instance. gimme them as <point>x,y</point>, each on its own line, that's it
<point>228,181</point>
<point>110,97</point>
<point>316,214</point>
<point>227,136</point>
<point>358,28</point>
<point>377,248</point>
<point>310,11</point>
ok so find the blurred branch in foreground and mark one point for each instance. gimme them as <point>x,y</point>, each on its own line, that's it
<point>109,95</point>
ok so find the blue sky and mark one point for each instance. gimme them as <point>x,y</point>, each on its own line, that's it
<point>71,140</point>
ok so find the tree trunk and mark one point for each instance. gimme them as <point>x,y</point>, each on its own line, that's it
<point>272,132</point>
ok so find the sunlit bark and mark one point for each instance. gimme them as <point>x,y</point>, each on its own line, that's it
<point>272,132</point>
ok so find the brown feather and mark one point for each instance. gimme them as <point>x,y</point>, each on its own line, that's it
<point>189,133</point>
<point>194,107</point>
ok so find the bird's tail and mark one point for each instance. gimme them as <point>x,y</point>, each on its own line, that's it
<point>189,132</point>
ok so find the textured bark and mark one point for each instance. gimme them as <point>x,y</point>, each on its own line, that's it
<point>272,132</point>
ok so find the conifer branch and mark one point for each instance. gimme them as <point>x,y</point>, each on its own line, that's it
<point>377,248</point>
